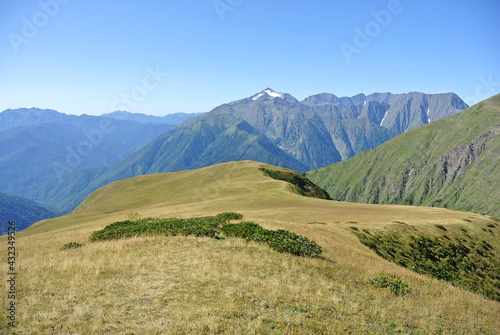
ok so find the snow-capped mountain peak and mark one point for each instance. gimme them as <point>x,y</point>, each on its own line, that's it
<point>268,92</point>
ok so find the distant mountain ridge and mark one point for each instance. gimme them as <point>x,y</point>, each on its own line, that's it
<point>268,127</point>
<point>324,129</point>
<point>23,212</point>
<point>174,119</point>
<point>37,145</point>
<point>451,163</point>
<point>12,118</point>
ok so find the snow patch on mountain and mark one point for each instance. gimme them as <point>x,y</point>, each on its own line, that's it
<point>270,93</point>
<point>383,119</point>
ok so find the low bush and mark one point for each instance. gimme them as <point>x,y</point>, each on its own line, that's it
<point>393,283</point>
<point>212,226</point>
<point>228,216</point>
<point>285,241</point>
<point>205,226</point>
<point>303,185</point>
<point>465,262</point>
<point>72,245</point>
<point>243,229</point>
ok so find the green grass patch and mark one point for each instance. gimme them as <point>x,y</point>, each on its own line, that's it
<point>214,227</point>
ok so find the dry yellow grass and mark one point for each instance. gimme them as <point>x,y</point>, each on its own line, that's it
<point>185,285</point>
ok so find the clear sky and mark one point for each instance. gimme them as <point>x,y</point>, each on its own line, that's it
<point>164,56</point>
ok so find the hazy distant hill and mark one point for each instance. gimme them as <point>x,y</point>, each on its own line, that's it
<point>450,163</point>
<point>174,119</point>
<point>12,118</point>
<point>39,145</point>
<point>23,212</point>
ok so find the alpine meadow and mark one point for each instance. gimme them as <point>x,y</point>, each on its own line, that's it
<point>159,283</point>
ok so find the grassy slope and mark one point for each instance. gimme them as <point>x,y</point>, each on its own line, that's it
<point>416,160</point>
<point>198,285</point>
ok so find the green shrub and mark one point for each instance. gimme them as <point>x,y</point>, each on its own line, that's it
<point>285,241</point>
<point>205,226</point>
<point>212,226</point>
<point>72,245</point>
<point>303,185</point>
<point>228,216</point>
<point>393,283</point>
<point>279,240</point>
<point>465,262</point>
<point>243,229</point>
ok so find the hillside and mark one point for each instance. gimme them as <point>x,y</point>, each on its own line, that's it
<point>23,212</point>
<point>450,163</point>
<point>180,285</point>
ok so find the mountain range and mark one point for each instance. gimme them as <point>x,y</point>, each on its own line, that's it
<point>39,145</point>
<point>449,163</point>
<point>269,127</point>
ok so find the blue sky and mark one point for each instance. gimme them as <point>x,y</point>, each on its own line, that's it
<point>163,56</point>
